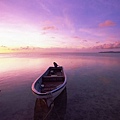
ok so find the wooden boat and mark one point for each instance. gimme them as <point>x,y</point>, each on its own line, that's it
<point>51,83</point>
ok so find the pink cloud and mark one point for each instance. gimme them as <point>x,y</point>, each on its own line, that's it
<point>42,50</point>
<point>43,33</point>
<point>80,39</point>
<point>97,42</point>
<point>84,40</point>
<point>76,37</point>
<point>3,46</point>
<point>108,46</point>
<point>49,28</point>
<point>107,23</point>
<point>53,37</point>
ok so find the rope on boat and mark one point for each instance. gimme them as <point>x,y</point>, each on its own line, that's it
<point>57,114</point>
<point>52,105</point>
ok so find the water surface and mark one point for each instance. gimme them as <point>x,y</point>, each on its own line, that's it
<point>92,90</point>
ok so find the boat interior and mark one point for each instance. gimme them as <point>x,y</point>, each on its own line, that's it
<point>53,78</point>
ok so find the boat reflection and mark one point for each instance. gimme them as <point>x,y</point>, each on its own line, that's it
<point>55,111</point>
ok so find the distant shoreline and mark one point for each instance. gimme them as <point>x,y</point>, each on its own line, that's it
<point>110,52</point>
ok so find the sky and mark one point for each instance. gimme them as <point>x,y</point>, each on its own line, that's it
<point>59,25</point>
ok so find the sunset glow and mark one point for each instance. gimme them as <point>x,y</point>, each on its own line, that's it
<point>43,25</point>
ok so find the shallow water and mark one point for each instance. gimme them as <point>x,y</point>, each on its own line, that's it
<point>92,91</point>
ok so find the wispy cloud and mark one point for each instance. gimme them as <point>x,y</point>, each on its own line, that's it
<point>107,23</point>
<point>68,22</point>
<point>78,38</point>
<point>92,31</point>
<point>44,7</point>
<point>64,23</point>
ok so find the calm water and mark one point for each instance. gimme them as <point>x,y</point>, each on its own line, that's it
<point>92,92</point>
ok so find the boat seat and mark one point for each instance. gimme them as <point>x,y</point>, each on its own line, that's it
<point>53,78</point>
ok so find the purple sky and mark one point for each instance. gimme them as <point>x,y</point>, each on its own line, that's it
<point>69,24</point>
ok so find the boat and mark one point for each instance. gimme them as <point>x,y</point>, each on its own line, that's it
<point>51,83</point>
